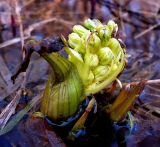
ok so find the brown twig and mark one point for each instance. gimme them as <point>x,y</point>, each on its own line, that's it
<point>17,11</point>
<point>43,22</point>
<point>10,89</point>
<point>156,81</point>
<point>12,41</point>
<point>113,6</point>
<point>27,3</point>
<point>147,31</point>
<point>32,27</point>
<point>153,88</point>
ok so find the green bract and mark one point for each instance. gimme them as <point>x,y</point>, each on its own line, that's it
<point>64,89</point>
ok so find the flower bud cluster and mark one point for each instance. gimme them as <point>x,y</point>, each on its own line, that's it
<point>97,55</point>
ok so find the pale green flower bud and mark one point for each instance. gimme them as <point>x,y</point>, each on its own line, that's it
<point>101,32</point>
<point>80,48</point>
<point>105,56</point>
<point>112,26</point>
<point>114,67</point>
<point>114,45</point>
<point>105,35</point>
<point>91,60</point>
<point>90,78</point>
<point>75,58</point>
<point>80,30</point>
<point>94,43</point>
<point>106,32</point>
<point>76,43</point>
<point>98,23</point>
<point>90,24</point>
<point>93,25</point>
<point>74,40</point>
<point>100,72</point>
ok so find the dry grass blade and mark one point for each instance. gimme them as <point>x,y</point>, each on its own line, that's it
<point>4,71</point>
<point>153,88</point>
<point>156,81</point>
<point>32,27</point>
<point>125,100</point>
<point>9,110</point>
<point>13,122</point>
<point>43,22</point>
<point>11,88</point>
<point>12,41</point>
<point>153,109</point>
<point>148,82</point>
<point>17,10</point>
<point>147,31</point>
<point>27,3</point>
<point>80,123</point>
<point>148,111</point>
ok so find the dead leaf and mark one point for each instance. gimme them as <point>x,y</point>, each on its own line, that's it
<point>33,132</point>
<point>125,100</point>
